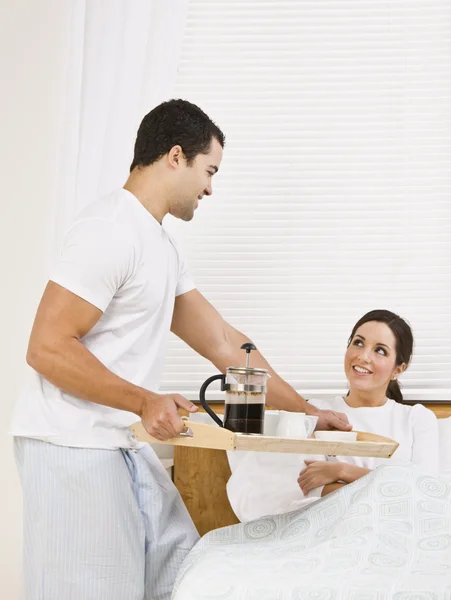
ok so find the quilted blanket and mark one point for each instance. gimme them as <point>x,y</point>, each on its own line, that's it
<point>385,536</point>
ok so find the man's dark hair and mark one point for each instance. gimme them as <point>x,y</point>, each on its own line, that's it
<point>172,123</point>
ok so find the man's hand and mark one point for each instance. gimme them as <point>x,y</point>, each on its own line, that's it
<point>160,417</point>
<point>317,474</point>
<point>329,419</point>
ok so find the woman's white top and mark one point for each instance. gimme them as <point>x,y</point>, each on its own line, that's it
<point>264,483</point>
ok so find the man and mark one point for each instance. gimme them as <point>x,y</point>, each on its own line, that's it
<point>101,518</point>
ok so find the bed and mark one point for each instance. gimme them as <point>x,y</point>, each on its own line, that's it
<point>387,535</point>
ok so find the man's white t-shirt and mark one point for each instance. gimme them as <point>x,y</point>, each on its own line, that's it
<point>265,483</point>
<point>117,257</point>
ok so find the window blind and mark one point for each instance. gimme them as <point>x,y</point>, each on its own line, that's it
<point>334,193</point>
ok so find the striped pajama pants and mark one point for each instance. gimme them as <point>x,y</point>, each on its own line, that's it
<point>99,524</point>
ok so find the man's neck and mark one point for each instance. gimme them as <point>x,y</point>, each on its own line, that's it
<point>148,188</point>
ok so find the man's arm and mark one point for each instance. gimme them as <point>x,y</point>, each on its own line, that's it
<point>200,325</point>
<point>56,352</point>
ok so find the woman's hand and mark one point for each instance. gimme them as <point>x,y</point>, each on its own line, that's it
<point>317,474</point>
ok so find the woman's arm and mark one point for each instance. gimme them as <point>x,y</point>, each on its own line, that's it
<point>346,474</point>
<point>331,487</point>
<point>349,473</point>
<point>318,474</point>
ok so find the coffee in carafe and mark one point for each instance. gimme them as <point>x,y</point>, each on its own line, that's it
<point>244,412</point>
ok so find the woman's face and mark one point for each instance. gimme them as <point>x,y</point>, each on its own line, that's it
<point>370,360</point>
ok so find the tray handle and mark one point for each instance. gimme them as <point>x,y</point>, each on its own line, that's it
<point>199,435</point>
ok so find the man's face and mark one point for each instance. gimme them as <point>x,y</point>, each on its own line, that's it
<point>195,182</point>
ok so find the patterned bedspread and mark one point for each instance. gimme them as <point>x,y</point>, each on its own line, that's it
<point>386,536</point>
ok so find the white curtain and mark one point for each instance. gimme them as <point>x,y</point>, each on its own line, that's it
<point>122,59</point>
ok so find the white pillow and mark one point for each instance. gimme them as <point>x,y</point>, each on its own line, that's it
<point>444,432</point>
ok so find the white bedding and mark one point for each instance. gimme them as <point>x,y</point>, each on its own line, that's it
<point>385,536</point>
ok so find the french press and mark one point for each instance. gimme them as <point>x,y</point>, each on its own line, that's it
<point>245,396</point>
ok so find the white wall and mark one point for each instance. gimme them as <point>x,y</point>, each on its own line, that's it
<point>31,57</point>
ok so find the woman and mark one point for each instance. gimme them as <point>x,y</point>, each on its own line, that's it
<point>379,351</point>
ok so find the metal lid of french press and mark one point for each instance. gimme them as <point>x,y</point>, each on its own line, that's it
<point>247,371</point>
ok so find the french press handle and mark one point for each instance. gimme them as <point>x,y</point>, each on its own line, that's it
<point>248,346</point>
<point>203,389</point>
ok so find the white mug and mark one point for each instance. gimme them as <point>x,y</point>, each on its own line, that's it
<point>271,422</point>
<point>295,424</point>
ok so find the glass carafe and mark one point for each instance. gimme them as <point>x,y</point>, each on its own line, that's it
<point>245,397</point>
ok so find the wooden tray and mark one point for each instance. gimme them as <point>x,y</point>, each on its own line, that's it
<point>202,435</point>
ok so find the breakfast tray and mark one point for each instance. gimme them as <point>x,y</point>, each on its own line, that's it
<point>201,435</point>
